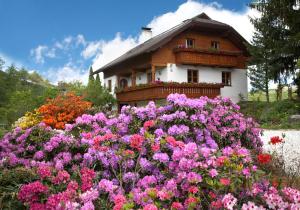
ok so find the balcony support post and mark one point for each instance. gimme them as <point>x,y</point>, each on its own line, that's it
<point>153,73</point>
<point>133,78</point>
<point>118,81</point>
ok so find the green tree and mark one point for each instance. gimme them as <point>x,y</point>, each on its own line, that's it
<point>91,81</point>
<point>97,81</point>
<point>260,71</point>
<point>1,63</point>
<point>260,79</point>
<point>279,24</point>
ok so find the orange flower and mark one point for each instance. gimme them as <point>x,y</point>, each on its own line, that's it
<point>63,109</point>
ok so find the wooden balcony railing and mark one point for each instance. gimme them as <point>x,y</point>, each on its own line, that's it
<point>206,57</point>
<point>161,91</point>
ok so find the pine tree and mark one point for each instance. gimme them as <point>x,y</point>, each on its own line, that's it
<point>260,79</point>
<point>279,25</point>
<point>96,94</point>
<point>98,82</point>
<point>91,79</point>
<point>260,69</point>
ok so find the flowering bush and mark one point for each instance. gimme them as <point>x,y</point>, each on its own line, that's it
<point>189,154</point>
<point>28,120</point>
<point>63,109</point>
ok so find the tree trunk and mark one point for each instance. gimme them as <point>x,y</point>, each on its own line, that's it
<point>267,95</point>
<point>290,92</point>
<point>267,86</point>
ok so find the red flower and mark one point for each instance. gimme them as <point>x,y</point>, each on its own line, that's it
<point>275,140</point>
<point>128,152</point>
<point>212,195</point>
<point>136,141</point>
<point>264,158</point>
<point>149,124</point>
<point>216,204</point>
<point>190,200</point>
<point>177,205</point>
<point>193,189</point>
<point>155,147</point>
<point>225,181</point>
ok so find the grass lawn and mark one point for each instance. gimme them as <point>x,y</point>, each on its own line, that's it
<point>260,96</point>
<point>273,115</point>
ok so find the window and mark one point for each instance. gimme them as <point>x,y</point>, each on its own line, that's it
<point>190,43</point>
<point>192,76</point>
<point>226,78</point>
<point>215,45</point>
<point>109,85</point>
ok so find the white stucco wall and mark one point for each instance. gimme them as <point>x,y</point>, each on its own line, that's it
<point>239,85</point>
<point>178,73</point>
<point>113,83</point>
<point>141,78</point>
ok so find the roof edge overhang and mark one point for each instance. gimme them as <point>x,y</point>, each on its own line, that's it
<point>237,39</point>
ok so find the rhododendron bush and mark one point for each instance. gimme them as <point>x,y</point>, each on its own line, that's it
<point>63,109</point>
<point>189,154</point>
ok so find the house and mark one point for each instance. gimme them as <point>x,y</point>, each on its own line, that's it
<point>199,57</point>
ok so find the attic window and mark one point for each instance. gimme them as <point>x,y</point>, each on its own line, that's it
<point>190,43</point>
<point>215,45</point>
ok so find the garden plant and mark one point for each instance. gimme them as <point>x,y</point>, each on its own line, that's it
<point>189,154</point>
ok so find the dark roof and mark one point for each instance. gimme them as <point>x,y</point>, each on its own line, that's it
<point>157,41</point>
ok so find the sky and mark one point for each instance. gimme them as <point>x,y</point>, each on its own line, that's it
<point>61,39</point>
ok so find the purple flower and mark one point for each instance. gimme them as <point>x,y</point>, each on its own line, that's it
<point>161,157</point>
<point>178,130</point>
<point>39,155</point>
<point>193,177</point>
<point>130,177</point>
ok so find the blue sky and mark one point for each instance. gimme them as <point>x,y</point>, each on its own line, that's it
<point>61,38</point>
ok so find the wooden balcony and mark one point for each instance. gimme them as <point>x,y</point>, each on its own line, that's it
<point>192,56</point>
<point>162,90</point>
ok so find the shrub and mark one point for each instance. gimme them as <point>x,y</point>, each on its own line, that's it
<point>10,183</point>
<point>63,109</point>
<point>30,119</point>
<point>188,154</point>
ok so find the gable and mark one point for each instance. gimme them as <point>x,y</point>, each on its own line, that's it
<point>200,23</point>
<point>202,40</point>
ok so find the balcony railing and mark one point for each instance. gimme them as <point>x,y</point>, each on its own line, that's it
<point>206,57</point>
<point>162,90</point>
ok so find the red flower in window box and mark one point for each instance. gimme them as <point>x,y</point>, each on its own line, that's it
<point>264,158</point>
<point>275,140</point>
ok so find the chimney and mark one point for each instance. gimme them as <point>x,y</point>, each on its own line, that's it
<point>146,33</point>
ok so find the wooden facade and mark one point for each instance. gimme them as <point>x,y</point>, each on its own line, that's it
<point>162,90</point>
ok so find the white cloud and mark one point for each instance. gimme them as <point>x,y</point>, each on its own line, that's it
<point>42,51</point>
<point>9,61</point>
<point>92,49</point>
<point>80,40</point>
<point>109,50</point>
<point>113,49</point>
<point>67,73</point>
<point>68,43</point>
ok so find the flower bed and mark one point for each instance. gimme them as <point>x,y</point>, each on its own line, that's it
<point>189,154</point>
